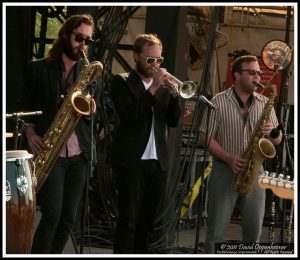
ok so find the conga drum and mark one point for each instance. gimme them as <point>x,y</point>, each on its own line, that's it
<point>20,202</point>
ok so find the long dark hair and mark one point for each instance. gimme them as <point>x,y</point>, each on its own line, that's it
<point>69,25</point>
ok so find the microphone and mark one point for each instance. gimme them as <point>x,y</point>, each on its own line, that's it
<point>205,101</point>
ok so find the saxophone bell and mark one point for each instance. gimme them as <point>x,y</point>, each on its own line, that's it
<point>83,103</point>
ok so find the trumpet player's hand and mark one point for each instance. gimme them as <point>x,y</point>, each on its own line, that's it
<point>174,93</point>
<point>267,128</point>
<point>168,83</point>
<point>159,78</point>
<point>236,163</point>
<point>35,142</point>
<point>171,86</point>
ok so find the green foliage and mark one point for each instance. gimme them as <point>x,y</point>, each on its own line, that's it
<point>53,26</point>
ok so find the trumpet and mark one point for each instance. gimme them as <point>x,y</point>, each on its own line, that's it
<point>185,89</point>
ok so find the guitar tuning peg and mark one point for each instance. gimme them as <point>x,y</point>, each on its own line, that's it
<point>289,185</point>
<point>266,173</point>
<point>280,180</point>
<point>280,176</point>
<point>273,179</point>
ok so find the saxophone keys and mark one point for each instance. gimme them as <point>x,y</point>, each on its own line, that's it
<point>49,145</point>
<point>57,130</point>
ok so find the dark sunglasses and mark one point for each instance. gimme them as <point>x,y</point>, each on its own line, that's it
<point>150,60</point>
<point>254,72</point>
<point>79,38</point>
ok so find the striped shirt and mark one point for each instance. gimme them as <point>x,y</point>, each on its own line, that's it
<point>227,125</point>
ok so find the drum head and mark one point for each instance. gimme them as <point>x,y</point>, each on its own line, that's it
<point>10,155</point>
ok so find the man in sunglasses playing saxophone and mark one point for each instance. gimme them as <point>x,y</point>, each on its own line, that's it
<point>46,86</point>
<point>231,127</point>
<point>138,154</point>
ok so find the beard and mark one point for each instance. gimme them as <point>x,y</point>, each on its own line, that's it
<point>146,72</point>
<point>248,86</point>
<point>70,51</point>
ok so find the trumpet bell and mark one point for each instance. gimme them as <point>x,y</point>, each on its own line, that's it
<point>187,89</point>
<point>82,103</point>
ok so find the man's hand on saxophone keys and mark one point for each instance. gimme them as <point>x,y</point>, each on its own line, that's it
<point>236,163</point>
<point>274,134</point>
<point>35,142</point>
<point>267,128</point>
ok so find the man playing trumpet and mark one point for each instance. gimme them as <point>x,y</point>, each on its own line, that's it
<point>138,154</point>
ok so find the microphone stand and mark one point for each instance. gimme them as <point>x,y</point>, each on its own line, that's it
<point>91,90</point>
<point>202,186</point>
<point>17,120</point>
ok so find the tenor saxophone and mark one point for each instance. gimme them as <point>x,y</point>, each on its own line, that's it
<point>76,104</point>
<point>257,150</point>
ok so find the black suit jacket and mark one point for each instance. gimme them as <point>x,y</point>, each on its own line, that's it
<point>42,91</point>
<point>134,107</point>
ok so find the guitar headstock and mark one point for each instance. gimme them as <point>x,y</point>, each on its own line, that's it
<point>280,187</point>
